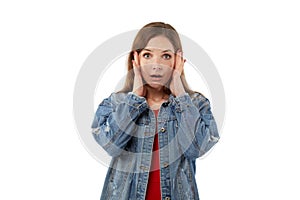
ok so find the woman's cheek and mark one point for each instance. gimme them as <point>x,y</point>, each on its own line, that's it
<point>144,74</point>
<point>170,64</point>
<point>144,61</point>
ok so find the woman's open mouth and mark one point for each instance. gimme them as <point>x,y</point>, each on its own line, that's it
<point>156,77</point>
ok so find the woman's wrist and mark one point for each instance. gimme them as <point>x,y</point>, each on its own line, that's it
<point>178,86</point>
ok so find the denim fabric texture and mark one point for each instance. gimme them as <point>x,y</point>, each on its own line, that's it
<point>124,126</point>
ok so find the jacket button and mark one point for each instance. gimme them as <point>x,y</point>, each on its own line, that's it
<point>163,129</point>
<point>165,104</point>
<point>167,198</point>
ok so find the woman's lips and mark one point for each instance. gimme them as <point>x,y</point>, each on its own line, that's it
<point>156,77</point>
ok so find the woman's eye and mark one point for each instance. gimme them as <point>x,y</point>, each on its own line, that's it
<point>146,55</point>
<point>167,56</point>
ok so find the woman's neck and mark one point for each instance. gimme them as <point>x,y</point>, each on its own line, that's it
<point>156,94</point>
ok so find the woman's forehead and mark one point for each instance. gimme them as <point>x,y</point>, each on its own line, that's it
<point>159,43</point>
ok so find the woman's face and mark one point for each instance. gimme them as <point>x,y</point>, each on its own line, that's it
<point>157,61</point>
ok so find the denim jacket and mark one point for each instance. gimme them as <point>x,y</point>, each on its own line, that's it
<point>125,126</point>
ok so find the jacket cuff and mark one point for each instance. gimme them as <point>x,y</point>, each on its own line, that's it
<point>137,104</point>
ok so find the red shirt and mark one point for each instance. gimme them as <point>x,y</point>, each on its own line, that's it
<point>153,187</point>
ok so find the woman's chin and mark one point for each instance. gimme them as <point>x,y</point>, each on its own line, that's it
<point>155,85</point>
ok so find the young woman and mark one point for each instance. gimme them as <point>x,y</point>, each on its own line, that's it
<point>156,126</point>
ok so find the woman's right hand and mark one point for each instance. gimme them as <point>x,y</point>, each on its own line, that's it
<point>138,87</point>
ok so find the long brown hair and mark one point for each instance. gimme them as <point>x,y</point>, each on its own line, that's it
<point>142,38</point>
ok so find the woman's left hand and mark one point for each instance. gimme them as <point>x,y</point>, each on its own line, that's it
<point>176,85</point>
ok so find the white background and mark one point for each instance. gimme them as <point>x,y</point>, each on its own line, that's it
<point>254,44</point>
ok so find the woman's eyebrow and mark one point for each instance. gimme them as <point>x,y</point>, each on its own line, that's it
<point>147,49</point>
<point>161,51</point>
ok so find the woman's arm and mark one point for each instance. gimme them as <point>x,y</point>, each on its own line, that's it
<point>114,123</point>
<point>197,129</point>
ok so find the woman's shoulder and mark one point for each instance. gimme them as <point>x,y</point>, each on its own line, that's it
<point>199,99</point>
<point>197,96</point>
<point>118,97</point>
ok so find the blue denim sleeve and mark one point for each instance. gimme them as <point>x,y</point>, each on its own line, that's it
<point>114,121</point>
<point>197,131</point>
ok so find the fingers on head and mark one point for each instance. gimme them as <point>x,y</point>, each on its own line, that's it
<point>135,60</point>
<point>179,57</point>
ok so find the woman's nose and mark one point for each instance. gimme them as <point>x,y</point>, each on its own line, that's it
<point>156,66</point>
